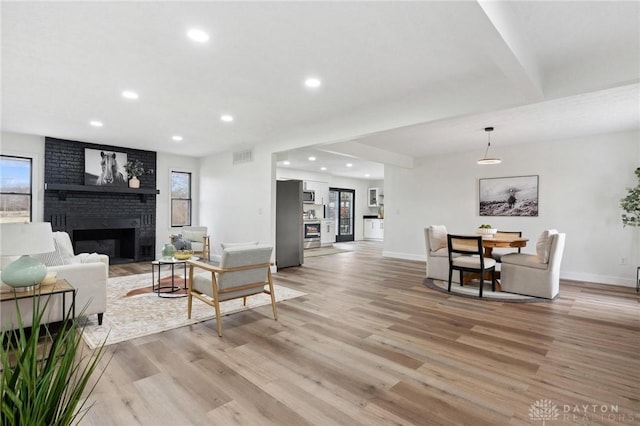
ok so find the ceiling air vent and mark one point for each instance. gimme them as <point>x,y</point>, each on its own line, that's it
<point>245,156</point>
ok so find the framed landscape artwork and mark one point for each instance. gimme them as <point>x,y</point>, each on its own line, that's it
<point>104,168</point>
<point>509,196</point>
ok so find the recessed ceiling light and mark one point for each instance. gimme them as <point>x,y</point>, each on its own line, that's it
<point>96,123</point>
<point>286,162</point>
<point>367,175</point>
<point>349,165</point>
<point>129,94</point>
<point>177,138</point>
<point>198,35</point>
<point>312,158</point>
<point>323,168</point>
<point>227,118</point>
<point>312,82</point>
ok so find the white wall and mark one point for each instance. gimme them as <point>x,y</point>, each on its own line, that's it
<point>165,164</point>
<point>237,203</point>
<point>581,182</point>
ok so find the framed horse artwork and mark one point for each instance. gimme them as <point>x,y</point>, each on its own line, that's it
<point>104,167</point>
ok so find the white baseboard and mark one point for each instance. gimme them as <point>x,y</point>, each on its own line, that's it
<point>573,276</point>
<point>405,256</point>
<point>598,279</point>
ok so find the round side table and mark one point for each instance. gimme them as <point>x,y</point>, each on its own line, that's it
<point>169,291</point>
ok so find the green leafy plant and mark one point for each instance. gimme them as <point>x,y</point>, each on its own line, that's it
<point>134,168</point>
<point>484,226</point>
<point>44,375</point>
<point>631,205</point>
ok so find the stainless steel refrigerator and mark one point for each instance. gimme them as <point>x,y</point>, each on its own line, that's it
<point>289,248</point>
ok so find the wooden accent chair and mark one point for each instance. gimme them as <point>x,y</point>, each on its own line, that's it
<point>470,259</point>
<point>199,239</point>
<point>498,255</point>
<point>244,271</point>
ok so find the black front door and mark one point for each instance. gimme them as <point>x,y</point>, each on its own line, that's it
<point>342,210</point>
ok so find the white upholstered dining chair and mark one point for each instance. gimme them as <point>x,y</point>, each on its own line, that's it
<point>535,274</point>
<point>435,238</point>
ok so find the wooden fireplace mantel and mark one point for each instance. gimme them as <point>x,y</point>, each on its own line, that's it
<point>63,189</point>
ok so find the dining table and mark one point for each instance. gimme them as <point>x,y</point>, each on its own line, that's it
<point>498,240</point>
<point>502,240</point>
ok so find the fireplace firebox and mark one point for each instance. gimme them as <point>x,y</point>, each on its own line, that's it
<point>115,237</point>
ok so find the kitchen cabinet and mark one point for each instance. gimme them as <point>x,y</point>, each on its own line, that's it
<point>373,197</point>
<point>322,193</point>
<point>321,189</point>
<point>328,235</point>
<point>373,229</point>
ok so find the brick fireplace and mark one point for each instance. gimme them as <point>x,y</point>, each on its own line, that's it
<point>119,222</point>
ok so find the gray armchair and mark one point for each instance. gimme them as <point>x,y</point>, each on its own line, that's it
<point>244,271</point>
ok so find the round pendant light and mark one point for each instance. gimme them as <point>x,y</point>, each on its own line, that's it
<point>486,159</point>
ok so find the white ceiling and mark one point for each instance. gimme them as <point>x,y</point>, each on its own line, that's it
<point>400,79</point>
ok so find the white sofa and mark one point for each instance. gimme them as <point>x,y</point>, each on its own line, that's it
<point>87,273</point>
<point>535,274</point>
<point>435,237</point>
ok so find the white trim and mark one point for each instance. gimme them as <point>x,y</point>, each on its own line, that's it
<point>191,197</point>
<point>405,256</point>
<point>598,279</point>
<point>573,276</point>
<point>37,183</point>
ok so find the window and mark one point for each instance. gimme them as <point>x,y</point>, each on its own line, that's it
<point>15,189</point>
<point>180,199</point>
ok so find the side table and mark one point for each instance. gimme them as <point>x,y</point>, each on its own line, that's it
<point>169,290</point>
<point>61,287</point>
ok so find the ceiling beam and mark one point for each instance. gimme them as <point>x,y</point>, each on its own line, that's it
<point>516,60</point>
<point>369,153</point>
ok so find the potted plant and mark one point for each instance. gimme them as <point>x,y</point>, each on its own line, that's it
<point>631,205</point>
<point>631,216</point>
<point>44,376</point>
<point>134,169</point>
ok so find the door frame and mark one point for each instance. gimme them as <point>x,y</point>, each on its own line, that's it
<point>346,237</point>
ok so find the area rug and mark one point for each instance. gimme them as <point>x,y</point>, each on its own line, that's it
<point>471,290</point>
<point>323,251</point>
<point>131,314</point>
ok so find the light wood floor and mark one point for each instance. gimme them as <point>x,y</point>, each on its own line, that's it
<point>369,344</point>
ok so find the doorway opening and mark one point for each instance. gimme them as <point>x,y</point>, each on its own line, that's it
<point>341,209</point>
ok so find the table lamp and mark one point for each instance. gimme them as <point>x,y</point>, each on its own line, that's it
<point>23,239</point>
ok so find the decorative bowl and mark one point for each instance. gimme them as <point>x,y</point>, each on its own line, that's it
<point>486,231</point>
<point>183,254</point>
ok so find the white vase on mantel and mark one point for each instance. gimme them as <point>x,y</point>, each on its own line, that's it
<point>134,182</point>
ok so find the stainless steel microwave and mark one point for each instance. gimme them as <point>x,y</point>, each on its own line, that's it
<point>309,197</point>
